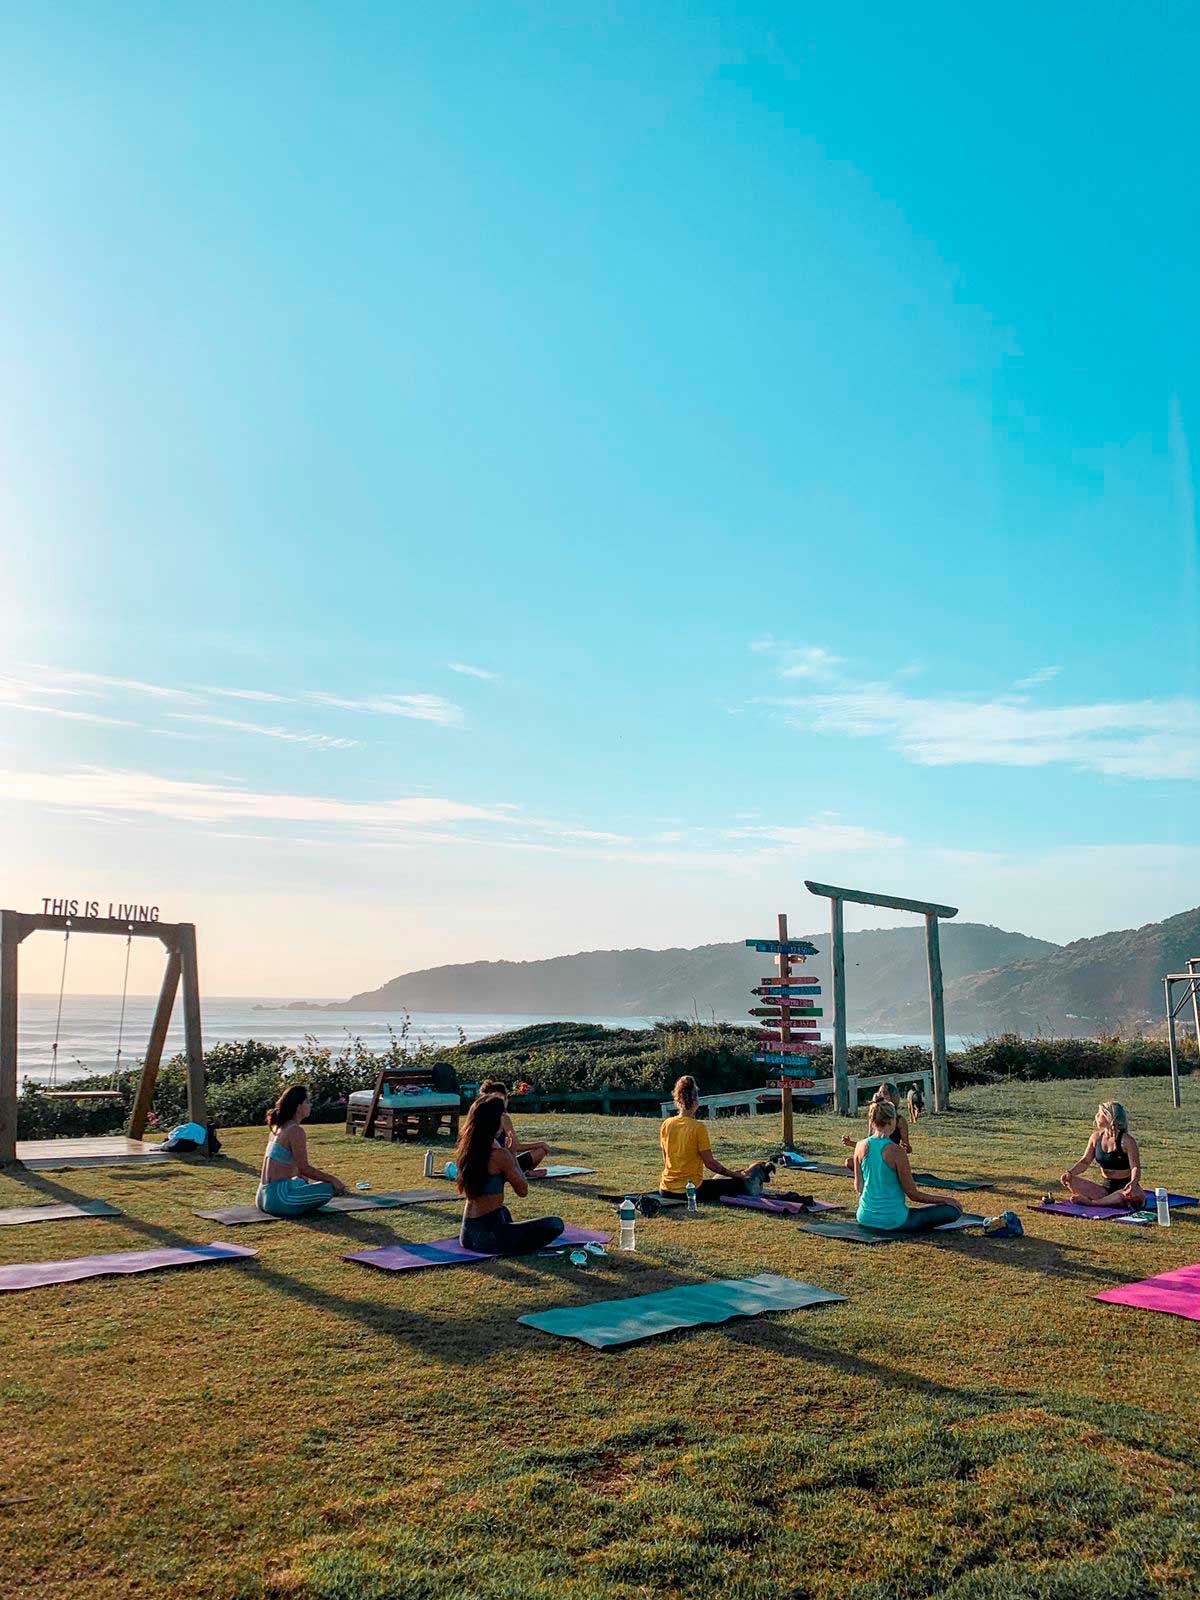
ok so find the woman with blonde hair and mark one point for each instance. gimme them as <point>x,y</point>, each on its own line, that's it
<point>899,1134</point>
<point>1115,1151</point>
<point>687,1154</point>
<point>885,1185</point>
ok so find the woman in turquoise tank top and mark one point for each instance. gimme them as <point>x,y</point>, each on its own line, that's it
<point>884,1182</point>
<point>289,1185</point>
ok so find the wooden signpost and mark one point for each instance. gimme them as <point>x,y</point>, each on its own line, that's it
<point>790,1017</point>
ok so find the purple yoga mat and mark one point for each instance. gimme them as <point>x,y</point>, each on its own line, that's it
<point>449,1253</point>
<point>1176,1292</point>
<point>782,1208</point>
<point>1072,1208</point>
<point>33,1274</point>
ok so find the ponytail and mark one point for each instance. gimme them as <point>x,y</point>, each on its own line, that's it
<point>685,1094</point>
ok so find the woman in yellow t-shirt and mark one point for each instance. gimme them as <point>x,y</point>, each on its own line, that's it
<point>687,1152</point>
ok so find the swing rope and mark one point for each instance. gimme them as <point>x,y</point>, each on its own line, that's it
<point>62,982</point>
<point>121,1024</point>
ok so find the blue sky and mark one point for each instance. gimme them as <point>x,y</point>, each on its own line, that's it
<point>786,414</point>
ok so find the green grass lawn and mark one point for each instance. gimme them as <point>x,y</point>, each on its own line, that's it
<point>970,1425</point>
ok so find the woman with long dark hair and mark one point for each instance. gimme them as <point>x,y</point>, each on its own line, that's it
<point>289,1185</point>
<point>484,1167</point>
<point>529,1156</point>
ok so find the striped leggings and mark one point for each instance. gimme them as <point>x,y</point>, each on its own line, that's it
<point>293,1197</point>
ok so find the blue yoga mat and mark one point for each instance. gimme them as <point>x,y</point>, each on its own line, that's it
<point>611,1322</point>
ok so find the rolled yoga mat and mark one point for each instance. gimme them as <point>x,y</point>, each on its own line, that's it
<point>779,1208</point>
<point>1177,1293</point>
<point>36,1274</point>
<point>1075,1208</point>
<point>860,1235</point>
<point>449,1253</point>
<point>604,1323</point>
<point>13,1216</point>
<point>240,1216</point>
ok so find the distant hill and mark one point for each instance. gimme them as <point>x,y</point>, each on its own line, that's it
<point>885,971</point>
<point>1107,984</point>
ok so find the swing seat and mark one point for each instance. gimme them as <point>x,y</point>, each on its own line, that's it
<point>81,1094</point>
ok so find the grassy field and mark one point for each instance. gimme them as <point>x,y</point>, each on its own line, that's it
<point>970,1425</point>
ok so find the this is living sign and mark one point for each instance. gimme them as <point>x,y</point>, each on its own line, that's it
<point>117,911</point>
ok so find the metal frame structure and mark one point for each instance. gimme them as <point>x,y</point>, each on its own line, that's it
<point>179,938</point>
<point>1191,989</point>
<point>937,1016</point>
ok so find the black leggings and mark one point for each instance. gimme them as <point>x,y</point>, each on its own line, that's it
<point>497,1234</point>
<point>711,1190</point>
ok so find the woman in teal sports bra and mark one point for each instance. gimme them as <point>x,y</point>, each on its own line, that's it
<point>288,1185</point>
<point>884,1182</point>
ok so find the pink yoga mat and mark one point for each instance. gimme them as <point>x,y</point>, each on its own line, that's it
<point>1176,1292</point>
<point>1072,1208</point>
<point>783,1208</point>
<point>449,1253</point>
<point>34,1274</point>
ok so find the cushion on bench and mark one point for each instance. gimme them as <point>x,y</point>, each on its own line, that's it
<point>401,1101</point>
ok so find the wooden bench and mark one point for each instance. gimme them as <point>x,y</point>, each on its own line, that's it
<point>397,1108</point>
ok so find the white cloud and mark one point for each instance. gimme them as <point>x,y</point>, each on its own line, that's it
<point>810,661</point>
<point>86,682</point>
<point>250,694</point>
<point>1042,675</point>
<point>1132,739</point>
<point>424,707</point>
<point>318,741</point>
<point>107,789</point>
<point>822,837</point>
<point>15,695</point>
<point>470,672</point>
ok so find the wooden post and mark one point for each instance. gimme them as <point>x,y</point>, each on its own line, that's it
<point>837,954</point>
<point>158,1038</point>
<point>8,1038</point>
<point>1193,967</point>
<point>1171,1047</point>
<point>937,1015</point>
<point>192,1041</point>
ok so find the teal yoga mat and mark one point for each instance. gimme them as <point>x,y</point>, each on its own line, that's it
<point>604,1323</point>
<point>860,1235</point>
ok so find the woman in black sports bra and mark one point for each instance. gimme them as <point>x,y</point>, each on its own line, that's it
<point>1114,1150</point>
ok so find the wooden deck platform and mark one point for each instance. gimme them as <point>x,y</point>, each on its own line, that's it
<point>46,1155</point>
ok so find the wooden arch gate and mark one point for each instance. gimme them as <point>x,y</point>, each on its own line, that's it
<point>837,953</point>
<point>179,938</point>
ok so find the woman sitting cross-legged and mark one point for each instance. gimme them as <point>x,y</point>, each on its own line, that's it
<point>529,1156</point>
<point>687,1154</point>
<point>1115,1151</point>
<point>484,1167</point>
<point>884,1183</point>
<point>289,1185</point>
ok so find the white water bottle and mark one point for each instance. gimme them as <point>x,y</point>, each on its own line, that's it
<point>691,1196</point>
<point>429,1163</point>
<point>1164,1207</point>
<point>628,1216</point>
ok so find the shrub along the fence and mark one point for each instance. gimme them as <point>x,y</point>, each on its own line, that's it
<point>560,1058</point>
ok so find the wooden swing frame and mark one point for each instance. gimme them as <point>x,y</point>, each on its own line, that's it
<point>179,939</point>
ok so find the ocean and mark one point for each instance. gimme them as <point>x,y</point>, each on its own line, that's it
<point>90,1026</point>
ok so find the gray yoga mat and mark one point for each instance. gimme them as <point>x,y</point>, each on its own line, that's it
<point>239,1216</point>
<point>860,1235</point>
<point>57,1211</point>
<point>603,1323</point>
